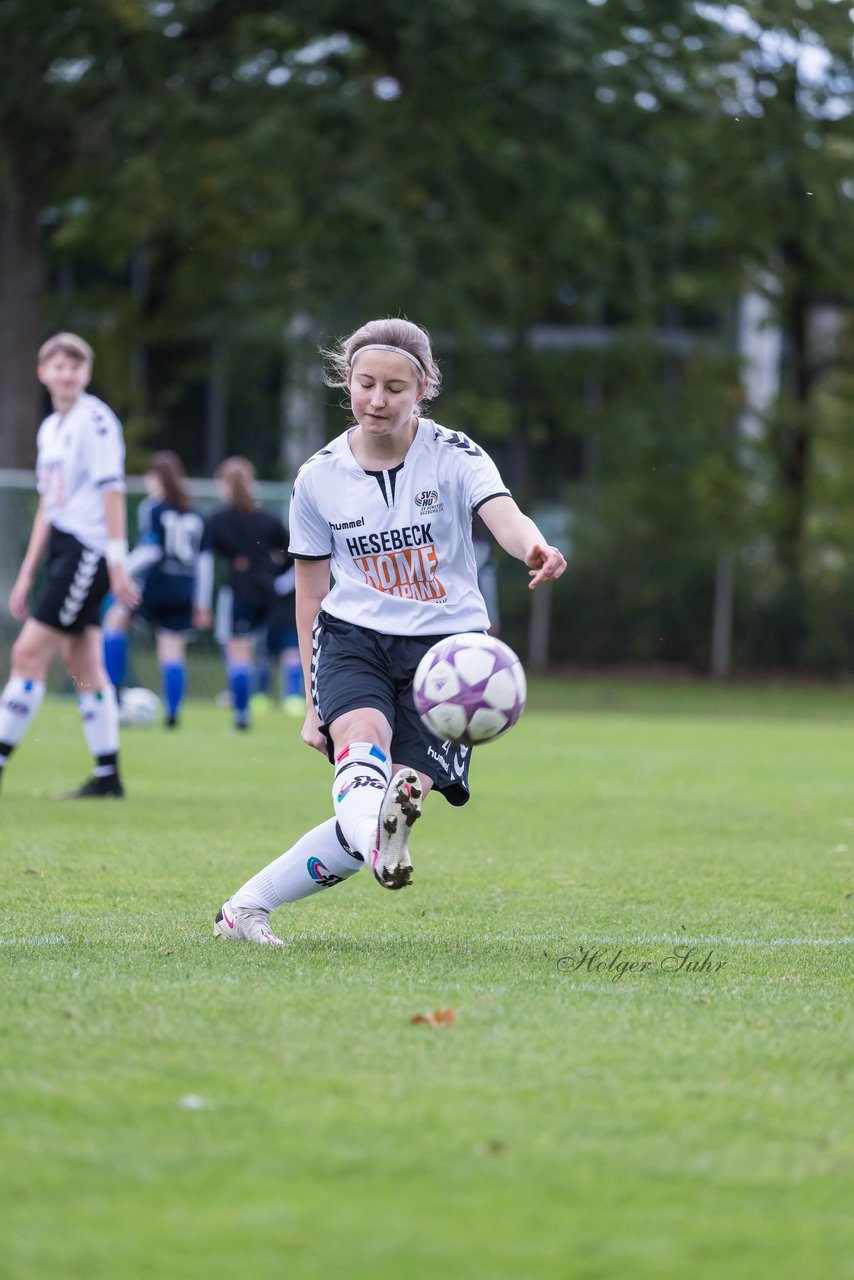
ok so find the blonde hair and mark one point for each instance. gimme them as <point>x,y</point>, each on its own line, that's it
<point>403,334</point>
<point>67,344</point>
<point>238,476</point>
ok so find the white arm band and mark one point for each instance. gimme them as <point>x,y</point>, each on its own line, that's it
<point>204,580</point>
<point>117,549</point>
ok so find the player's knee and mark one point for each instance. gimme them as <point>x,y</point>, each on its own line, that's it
<point>364,725</point>
<point>116,618</point>
<point>31,655</point>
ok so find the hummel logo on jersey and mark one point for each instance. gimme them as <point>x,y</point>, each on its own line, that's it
<point>347,524</point>
<point>459,441</point>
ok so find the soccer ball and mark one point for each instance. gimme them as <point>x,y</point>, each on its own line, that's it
<point>470,688</point>
<point>138,707</point>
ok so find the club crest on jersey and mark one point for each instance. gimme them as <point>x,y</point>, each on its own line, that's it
<point>427,502</point>
<point>321,874</point>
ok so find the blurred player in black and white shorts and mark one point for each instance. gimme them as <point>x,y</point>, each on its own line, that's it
<point>80,526</point>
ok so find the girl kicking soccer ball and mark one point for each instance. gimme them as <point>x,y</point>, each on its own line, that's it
<point>385,510</point>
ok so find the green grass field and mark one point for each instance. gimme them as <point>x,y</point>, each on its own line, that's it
<point>176,1107</point>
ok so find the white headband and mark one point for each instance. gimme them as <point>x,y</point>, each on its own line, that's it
<point>398,351</point>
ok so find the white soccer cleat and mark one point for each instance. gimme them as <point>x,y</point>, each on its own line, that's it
<point>245,924</point>
<point>401,808</point>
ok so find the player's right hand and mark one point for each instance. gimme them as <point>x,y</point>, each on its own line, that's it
<point>18,597</point>
<point>311,734</point>
<point>123,587</point>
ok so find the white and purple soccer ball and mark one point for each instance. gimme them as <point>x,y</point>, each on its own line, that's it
<point>470,688</point>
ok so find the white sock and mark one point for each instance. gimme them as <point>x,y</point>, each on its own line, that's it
<point>99,711</point>
<point>362,774</point>
<point>318,861</point>
<point>19,703</point>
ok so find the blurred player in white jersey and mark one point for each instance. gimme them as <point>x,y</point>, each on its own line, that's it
<point>80,526</point>
<point>385,510</point>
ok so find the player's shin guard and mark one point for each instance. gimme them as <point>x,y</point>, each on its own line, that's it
<point>318,861</point>
<point>99,712</point>
<point>362,773</point>
<point>19,703</point>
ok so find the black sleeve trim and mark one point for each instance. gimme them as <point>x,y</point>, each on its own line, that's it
<point>296,555</point>
<point>503,493</point>
<point>99,484</point>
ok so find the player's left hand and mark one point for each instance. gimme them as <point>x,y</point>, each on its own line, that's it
<point>123,587</point>
<point>545,563</point>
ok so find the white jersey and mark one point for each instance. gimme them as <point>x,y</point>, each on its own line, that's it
<point>80,455</point>
<point>399,541</point>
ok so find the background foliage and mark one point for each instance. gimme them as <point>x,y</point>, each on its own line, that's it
<point>572,196</point>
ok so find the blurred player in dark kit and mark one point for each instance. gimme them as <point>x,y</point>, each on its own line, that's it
<point>173,561</point>
<point>253,542</point>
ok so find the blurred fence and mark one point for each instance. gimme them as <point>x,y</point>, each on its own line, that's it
<point>18,502</point>
<point>526,621</point>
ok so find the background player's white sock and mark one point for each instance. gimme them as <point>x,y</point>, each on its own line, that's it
<point>362,774</point>
<point>20,701</point>
<point>317,861</point>
<point>99,711</point>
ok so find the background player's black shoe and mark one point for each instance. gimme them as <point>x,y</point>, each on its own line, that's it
<point>98,788</point>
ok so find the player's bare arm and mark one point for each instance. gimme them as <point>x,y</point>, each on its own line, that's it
<point>35,553</point>
<point>520,537</point>
<point>122,585</point>
<point>312,585</point>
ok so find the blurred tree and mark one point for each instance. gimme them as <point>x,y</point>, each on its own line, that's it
<point>540,182</point>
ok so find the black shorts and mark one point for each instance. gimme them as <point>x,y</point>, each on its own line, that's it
<point>77,582</point>
<point>247,618</point>
<point>177,618</point>
<point>167,601</point>
<point>280,637</point>
<point>354,667</point>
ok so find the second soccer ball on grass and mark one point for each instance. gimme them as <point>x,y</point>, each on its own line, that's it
<point>470,688</point>
<point>138,707</point>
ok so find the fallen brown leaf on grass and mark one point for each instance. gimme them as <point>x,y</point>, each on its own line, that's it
<point>33,871</point>
<point>437,1019</point>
